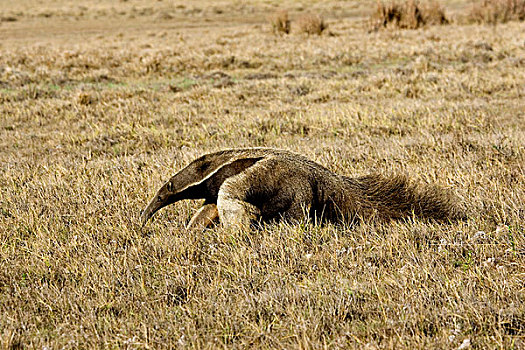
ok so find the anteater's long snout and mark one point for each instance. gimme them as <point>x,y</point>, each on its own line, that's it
<point>162,198</point>
<point>151,209</point>
<point>144,217</point>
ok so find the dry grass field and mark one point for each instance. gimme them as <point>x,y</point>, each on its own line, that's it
<point>101,101</point>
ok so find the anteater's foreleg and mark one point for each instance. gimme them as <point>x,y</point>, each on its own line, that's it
<point>271,189</point>
<point>205,217</point>
<point>231,204</point>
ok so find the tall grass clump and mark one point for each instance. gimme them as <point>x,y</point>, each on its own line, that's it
<point>434,14</point>
<point>311,24</point>
<point>409,14</point>
<point>497,11</point>
<point>280,22</point>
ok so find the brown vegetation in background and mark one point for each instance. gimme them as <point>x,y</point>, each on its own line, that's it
<point>311,24</point>
<point>434,13</point>
<point>408,14</point>
<point>279,22</point>
<point>497,11</point>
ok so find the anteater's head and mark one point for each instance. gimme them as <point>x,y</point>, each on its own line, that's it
<point>202,178</point>
<point>186,184</point>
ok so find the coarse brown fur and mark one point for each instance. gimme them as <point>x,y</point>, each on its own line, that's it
<point>243,186</point>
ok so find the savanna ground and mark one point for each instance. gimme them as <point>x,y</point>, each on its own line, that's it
<point>101,101</point>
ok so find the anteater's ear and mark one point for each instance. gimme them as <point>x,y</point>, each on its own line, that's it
<point>224,171</point>
<point>215,180</point>
<point>235,167</point>
<point>169,186</point>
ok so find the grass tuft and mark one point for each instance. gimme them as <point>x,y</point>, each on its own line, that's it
<point>311,24</point>
<point>434,14</point>
<point>497,11</point>
<point>279,22</point>
<point>409,14</point>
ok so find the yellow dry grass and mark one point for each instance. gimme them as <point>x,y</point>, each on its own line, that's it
<point>102,101</point>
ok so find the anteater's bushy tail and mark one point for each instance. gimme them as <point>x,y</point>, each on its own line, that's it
<point>398,197</point>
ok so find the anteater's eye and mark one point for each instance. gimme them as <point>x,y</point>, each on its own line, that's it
<point>204,166</point>
<point>159,199</point>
